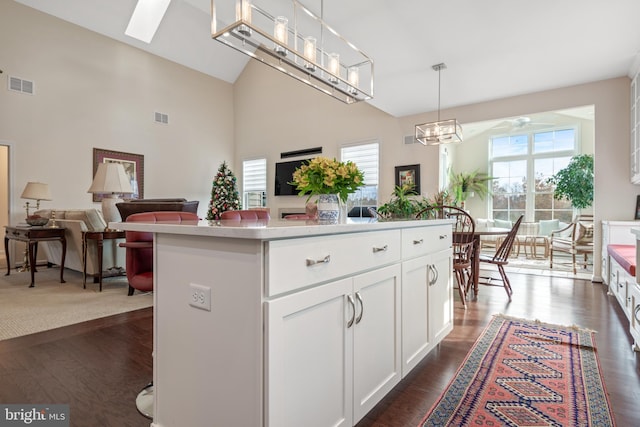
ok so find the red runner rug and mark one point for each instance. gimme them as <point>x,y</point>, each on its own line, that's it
<point>526,373</point>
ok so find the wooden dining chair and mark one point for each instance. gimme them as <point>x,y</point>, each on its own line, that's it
<point>501,258</point>
<point>462,242</point>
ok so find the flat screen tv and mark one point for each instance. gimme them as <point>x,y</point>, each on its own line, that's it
<point>284,175</point>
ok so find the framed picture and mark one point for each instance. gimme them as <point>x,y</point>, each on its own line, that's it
<point>637,207</point>
<point>409,174</point>
<point>133,167</point>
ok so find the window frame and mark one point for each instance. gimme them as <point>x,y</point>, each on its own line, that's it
<point>530,157</point>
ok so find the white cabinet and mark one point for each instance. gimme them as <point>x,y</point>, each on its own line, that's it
<point>427,292</point>
<point>333,351</point>
<point>618,233</point>
<point>427,305</point>
<point>635,130</point>
<point>306,322</point>
<point>634,325</point>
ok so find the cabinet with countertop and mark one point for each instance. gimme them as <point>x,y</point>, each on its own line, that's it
<point>306,321</point>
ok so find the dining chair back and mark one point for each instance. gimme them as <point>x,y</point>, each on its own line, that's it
<point>501,258</point>
<point>462,242</point>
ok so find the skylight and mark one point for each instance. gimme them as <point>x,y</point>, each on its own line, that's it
<point>146,18</point>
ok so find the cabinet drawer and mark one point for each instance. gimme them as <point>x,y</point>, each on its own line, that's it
<point>298,263</point>
<point>424,240</point>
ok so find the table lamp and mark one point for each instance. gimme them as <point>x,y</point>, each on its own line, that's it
<point>110,181</point>
<point>36,191</point>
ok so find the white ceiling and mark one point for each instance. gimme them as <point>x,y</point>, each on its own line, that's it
<point>493,48</point>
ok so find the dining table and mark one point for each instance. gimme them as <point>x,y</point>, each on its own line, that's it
<point>477,234</point>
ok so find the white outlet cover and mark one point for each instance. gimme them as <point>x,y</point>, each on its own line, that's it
<point>199,296</point>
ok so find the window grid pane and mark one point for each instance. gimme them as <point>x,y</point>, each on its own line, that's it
<point>521,184</point>
<point>366,157</point>
<point>254,183</point>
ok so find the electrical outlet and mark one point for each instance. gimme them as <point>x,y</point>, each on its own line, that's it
<point>200,296</point>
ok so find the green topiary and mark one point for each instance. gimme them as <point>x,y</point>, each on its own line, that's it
<point>575,182</point>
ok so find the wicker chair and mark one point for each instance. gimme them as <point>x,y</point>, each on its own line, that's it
<point>574,239</point>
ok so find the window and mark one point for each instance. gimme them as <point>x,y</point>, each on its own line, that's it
<point>365,156</point>
<point>522,164</point>
<point>254,183</point>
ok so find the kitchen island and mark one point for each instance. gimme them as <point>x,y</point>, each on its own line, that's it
<point>291,323</point>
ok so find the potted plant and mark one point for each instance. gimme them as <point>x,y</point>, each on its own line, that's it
<point>403,204</point>
<point>464,184</point>
<point>575,182</point>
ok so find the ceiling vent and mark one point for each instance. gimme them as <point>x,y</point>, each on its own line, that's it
<point>162,118</point>
<point>17,84</point>
<point>410,139</point>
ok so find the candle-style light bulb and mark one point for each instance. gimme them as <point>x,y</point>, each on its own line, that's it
<point>309,52</point>
<point>281,34</point>
<point>334,67</point>
<point>243,12</point>
<point>353,77</point>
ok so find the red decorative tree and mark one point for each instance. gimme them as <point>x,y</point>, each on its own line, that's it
<point>224,194</point>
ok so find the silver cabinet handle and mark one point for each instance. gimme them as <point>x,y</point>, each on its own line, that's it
<point>418,242</point>
<point>353,307</point>
<point>324,260</point>
<point>434,270</point>
<point>635,313</point>
<point>359,298</point>
<point>443,236</point>
<point>378,249</point>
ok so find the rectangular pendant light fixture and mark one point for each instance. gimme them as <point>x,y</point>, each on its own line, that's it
<point>440,131</point>
<point>287,36</point>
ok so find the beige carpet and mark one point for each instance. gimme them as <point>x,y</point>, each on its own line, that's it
<point>51,304</point>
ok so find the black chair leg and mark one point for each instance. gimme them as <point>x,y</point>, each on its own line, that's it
<point>131,290</point>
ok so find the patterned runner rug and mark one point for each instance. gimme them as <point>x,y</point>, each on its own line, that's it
<point>526,373</point>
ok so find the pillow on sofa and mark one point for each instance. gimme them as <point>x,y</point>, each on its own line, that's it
<point>483,224</point>
<point>547,226</point>
<point>585,233</point>
<point>502,223</point>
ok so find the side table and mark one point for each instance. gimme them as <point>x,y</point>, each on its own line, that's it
<point>99,237</point>
<point>31,236</point>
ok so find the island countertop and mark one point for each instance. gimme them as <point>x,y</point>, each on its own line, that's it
<point>273,229</point>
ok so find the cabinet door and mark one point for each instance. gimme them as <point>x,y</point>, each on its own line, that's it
<point>440,295</point>
<point>309,357</point>
<point>376,337</point>
<point>415,312</point>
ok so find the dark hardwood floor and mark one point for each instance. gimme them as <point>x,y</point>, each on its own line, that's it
<point>98,367</point>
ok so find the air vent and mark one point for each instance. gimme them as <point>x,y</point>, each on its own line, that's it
<point>17,84</point>
<point>410,139</point>
<point>162,118</point>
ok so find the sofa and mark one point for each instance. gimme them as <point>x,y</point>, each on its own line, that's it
<point>76,221</point>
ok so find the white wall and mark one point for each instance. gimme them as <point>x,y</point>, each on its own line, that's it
<point>92,91</point>
<point>275,113</point>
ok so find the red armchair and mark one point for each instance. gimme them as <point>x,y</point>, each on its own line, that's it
<point>139,245</point>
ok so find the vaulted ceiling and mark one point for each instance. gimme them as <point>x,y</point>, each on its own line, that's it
<point>493,48</point>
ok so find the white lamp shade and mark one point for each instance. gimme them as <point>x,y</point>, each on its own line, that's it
<point>110,179</point>
<point>36,191</point>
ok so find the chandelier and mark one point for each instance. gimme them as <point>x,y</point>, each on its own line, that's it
<point>441,131</point>
<point>296,41</point>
